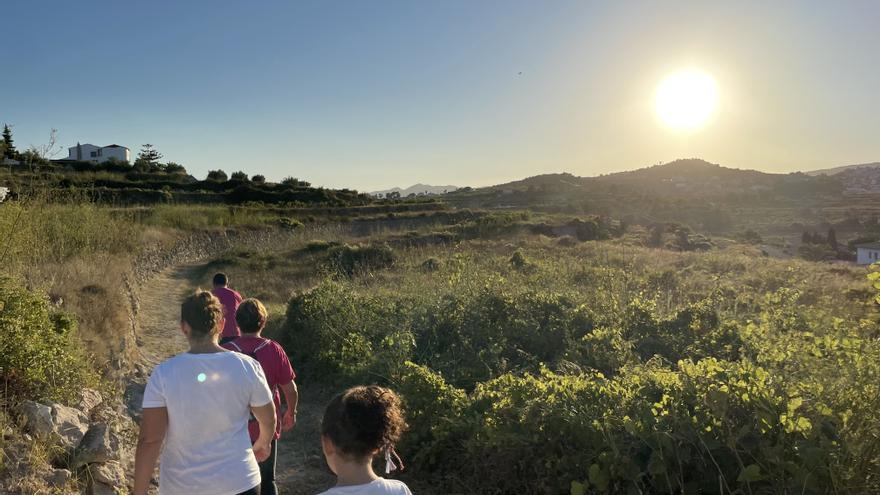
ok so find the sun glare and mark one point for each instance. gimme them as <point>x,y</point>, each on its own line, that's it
<point>685,100</point>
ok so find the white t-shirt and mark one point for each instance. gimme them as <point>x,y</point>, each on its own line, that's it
<point>379,486</point>
<point>208,396</point>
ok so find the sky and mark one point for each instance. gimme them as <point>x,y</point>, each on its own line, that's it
<point>370,95</point>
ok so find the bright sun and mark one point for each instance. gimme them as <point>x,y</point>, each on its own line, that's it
<point>686,99</point>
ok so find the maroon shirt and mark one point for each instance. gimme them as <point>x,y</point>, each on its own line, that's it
<point>230,301</point>
<point>275,365</point>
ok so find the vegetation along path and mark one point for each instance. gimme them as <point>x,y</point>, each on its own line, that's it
<point>301,468</point>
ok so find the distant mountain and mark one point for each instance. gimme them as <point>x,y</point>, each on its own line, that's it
<point>837,170</point>
<point>418,189</point>
<point>691,191</point>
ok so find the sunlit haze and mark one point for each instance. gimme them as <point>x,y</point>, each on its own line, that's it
<point>686,99</point>
<point>371,95</point>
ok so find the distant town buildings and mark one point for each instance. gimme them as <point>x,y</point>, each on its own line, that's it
<point>98,154</point>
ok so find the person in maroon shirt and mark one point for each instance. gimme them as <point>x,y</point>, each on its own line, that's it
<point>251,318</point>
<point>230,301</point>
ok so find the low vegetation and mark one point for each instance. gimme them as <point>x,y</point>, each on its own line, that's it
<point>604,367</point>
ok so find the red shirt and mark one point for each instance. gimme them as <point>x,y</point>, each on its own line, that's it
<point>230,301</point>
<point>275,365</point>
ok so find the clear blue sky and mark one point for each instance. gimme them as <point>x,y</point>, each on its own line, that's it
<point>378,93</point>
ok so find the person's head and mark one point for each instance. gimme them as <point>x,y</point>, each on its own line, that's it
<point>359,423</point>
<point>201,316</point>
<point>221,280</point>
<point>251,316</point>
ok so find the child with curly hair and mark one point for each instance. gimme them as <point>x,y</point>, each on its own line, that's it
<point>359,424</point>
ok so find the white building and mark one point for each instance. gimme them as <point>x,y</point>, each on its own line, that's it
<point>98,154</point>
<point>868,253</point>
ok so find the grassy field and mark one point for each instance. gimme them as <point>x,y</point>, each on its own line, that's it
<point>536,352</point>
<point>545,364</point>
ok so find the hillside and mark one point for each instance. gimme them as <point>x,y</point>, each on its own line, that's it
<point>692,191</point>
<point>844,168</point>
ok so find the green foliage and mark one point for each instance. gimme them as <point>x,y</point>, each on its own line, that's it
<point>431,265</point>
<point>41,232</point>
<point>240,176</point>
<point>8,143</point>
<point>217,176</point>
<point>602,371</point>
<point>40,357</point>
<point>350,260</point>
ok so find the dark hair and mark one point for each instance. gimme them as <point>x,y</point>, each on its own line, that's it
<point>221,279</point>
<point>202,312</point>
<point>251,316</point>
<point>362,420</point>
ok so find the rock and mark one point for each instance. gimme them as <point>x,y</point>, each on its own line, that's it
<point>100,444</point>
<point>59,478</point>
<point>89,400</point>
<point>37,418</point>
<point>96,488</point>
<point>65,425</point>
<point>108,473</point>
<point>70,424</point>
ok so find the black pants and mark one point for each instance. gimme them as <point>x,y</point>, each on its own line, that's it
<point>253,491</point>
<point>267,472</point>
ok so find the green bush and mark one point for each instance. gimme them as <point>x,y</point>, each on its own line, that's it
<point>431,265</point>
<point>319,245</point>
<point>40,357</point>
<point>351,260</point>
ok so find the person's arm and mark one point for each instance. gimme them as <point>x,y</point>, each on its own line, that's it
<point>266,418</point>
<point>154,425</point>
<point>291,396</point>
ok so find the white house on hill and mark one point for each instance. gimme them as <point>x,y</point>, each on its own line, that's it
<point>98,154</point>
<point>867,253</point>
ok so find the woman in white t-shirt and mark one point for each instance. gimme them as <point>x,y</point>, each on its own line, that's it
<point>198,403</point>
<point>359,424</point>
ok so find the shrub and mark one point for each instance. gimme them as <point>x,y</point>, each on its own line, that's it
<point>567,241</point>
<point>350,260</point>
<point>519,261</point>
<point>240,176</point>
<point>319,245</point>
<point>289,223</point>
<point>431,265</point>
<point>217,176</point>
<point>344,336</point>
<point>40,357</point>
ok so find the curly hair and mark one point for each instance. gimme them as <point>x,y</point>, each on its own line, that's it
<point>203,312</point>
<point>251,316</point>
<point>364,419</point>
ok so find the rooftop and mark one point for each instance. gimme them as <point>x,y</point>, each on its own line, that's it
<point>869,245</point>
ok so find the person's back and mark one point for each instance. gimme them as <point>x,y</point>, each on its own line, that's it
<point>230,300</point>
<point>208,397</point>
<point>252,317</point>
<point>380,486</point>
<point>195,411</point>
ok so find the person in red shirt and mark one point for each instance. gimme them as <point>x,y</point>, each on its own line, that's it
<point>251,317</point>
<point>230,301</point>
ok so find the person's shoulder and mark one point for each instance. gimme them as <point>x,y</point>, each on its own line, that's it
<point>395,487</point>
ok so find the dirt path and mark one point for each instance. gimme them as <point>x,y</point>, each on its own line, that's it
<point>300,464</point>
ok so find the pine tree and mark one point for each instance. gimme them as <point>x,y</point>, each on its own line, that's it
<point>149,156</point>
<point>832,238</point>
<point>9,148</point>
